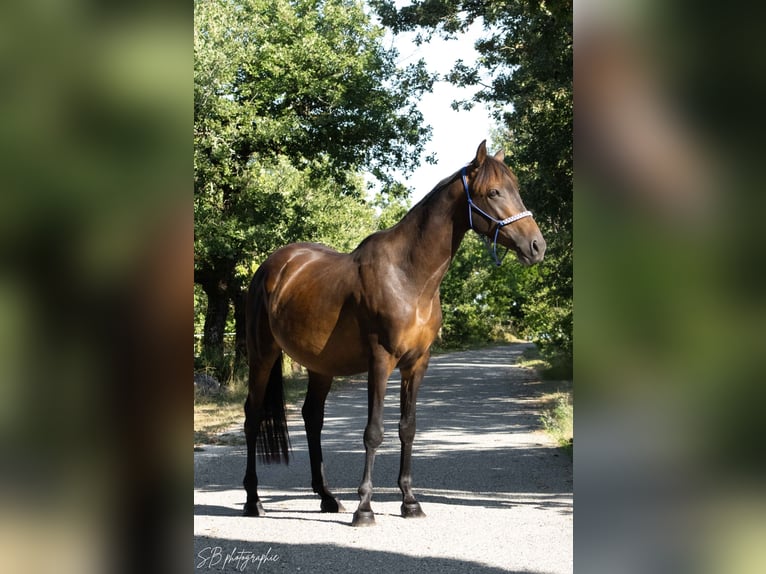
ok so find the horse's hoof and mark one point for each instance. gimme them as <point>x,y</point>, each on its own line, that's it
<point>332,505</point>
<point>253,509</point>
<point>363,518</point>
<point>412,510</point>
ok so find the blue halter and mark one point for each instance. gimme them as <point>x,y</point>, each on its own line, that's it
<point>500,223</point>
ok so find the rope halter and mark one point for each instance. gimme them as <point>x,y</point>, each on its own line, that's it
<point>499,222</point>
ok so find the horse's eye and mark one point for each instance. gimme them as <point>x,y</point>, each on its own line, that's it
<point>493,193</point>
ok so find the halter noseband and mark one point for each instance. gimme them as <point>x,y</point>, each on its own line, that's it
<point>500,223</point>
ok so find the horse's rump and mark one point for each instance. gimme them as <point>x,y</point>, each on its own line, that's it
<point>312,297</point>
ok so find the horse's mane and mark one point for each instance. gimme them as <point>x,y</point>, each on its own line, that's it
<point>491,168</point>
<point>414,209</point>
<point>494,168</point>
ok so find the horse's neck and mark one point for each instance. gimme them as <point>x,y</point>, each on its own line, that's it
<point>434,230</point>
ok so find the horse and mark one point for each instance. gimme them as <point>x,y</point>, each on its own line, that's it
<point>374,309</point>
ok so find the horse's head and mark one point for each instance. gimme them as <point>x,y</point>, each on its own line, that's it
<point>495,208</point>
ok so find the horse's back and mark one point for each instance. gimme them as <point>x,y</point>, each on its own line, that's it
<point>305,268</point>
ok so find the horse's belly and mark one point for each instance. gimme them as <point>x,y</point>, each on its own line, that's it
<point>333,355</point>
<point>334,364</point>
<point>322,337</point>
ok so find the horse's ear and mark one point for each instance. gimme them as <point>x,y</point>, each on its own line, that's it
<point>481,154</point>
<point>500,156</point>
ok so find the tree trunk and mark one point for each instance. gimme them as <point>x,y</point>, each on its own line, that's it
<point>239,298</point>
<point>215,327</point>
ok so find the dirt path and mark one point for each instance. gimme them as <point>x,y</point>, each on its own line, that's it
<point>497,493</point>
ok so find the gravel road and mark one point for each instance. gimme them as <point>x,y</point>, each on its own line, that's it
<point>496,491</point>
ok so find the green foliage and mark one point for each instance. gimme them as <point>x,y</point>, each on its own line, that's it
<point>292,83</point>
<point>391,205</point>
<point>292,100</point>
<point>480,301</point>
<point>302,79</point>
<point>525,74</point>
<point>276,205</point>
<point>548,321</point>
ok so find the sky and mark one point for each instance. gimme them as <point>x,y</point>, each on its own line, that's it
<point>456,134</point>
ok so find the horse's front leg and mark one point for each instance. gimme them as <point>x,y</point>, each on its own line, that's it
<point>411,379</point>
<point>313,418</point>
<point>380,369</point>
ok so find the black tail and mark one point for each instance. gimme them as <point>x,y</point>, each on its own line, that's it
<point>273,445</point>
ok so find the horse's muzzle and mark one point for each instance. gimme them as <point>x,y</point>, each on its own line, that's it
<point>533,252</point>
<point>537,249</point>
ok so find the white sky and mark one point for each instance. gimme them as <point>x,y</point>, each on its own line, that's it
<point>456,134</point>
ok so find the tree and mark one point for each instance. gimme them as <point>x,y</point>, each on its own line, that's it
<point>481,301</point>
<point>525,74</point>
<point>288,93</point>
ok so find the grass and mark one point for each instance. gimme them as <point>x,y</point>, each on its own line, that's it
<point>557,417</point>
<point>217,413</point>
<point>224,411</point>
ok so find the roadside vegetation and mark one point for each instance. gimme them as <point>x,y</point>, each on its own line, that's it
<point>557,400</point>
<point>218,416</point>
<point>558,419</point>
<point>216,413</point>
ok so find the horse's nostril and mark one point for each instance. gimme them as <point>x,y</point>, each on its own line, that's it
<point>535,248</point>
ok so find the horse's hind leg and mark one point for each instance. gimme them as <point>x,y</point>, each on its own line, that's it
<point>411,379</point>
<point>253,417</point>
<point>265,421</point>
<point>313,418</point>
<point>260,371</point>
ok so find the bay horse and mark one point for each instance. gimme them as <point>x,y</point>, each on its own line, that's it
<point>374,309</point>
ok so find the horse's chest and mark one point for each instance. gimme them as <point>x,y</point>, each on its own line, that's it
<point>411,325</point>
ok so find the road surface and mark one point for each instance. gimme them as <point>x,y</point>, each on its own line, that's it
<point>496,491</point>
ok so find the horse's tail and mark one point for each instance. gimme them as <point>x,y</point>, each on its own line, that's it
<point>273,445</point>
